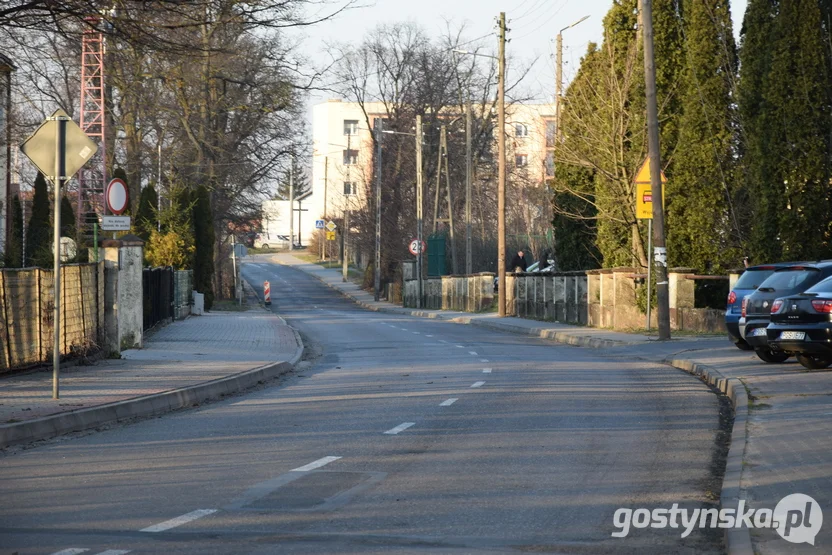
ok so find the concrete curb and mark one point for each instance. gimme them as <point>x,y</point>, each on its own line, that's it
<point>145,406</point>
<point>737,540</point>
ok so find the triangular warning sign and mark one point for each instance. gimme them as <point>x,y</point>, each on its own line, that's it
<point>643,175</point>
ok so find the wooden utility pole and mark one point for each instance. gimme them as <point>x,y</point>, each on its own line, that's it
<point>501,174</point>
<point>659,249</point>
<point>468,163</point>
<point>419,209</point>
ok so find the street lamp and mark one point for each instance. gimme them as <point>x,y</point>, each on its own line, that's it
<point>559,76</point>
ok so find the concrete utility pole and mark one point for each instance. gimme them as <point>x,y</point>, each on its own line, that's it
<point>345,266</point>
<point>292,204</point>
<point>321,233</point>
<point>659,249</point>
<point>419,210</point>
<point>468,163</point>
<point>501,174</point>
<point>377,129</point>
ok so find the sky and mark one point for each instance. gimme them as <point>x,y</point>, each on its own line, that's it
<point>532,27</point>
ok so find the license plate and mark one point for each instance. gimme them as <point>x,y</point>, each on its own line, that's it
<point>792,335</point>
<point>757,332</point>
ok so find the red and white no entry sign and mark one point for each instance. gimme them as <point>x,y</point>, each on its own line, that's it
<point>417,246</point>
<point>116,196</point>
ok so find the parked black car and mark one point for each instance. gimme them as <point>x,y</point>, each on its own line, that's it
<point>756,309</point>
<point>802,325</point>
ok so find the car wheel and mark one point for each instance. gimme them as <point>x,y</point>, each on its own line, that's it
<point>743,346</point>
<point>265,246</point>
<point>814,362</point>
<point>767,355</point>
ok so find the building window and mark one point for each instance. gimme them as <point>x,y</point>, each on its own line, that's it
<point>520,130</point>
<point>551,131</point>
<point>521,160</point>
<point>349,188</point>
<point>350,127</point>
<point>350,157</point>
<point>550,163</point>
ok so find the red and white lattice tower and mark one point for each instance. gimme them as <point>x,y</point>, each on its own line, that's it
<point>93,176</point>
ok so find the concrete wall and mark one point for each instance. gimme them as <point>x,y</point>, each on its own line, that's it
<point>26,313</point>
<point>464,293</point>
<point>605,298</point>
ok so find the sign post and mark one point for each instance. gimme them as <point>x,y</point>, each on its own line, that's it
<point>644,211</point>
<point>58,148</point>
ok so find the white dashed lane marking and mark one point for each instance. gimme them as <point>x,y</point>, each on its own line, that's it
<point>71,551</point>
<point>400,428</point>
<point>461,346</point>
<point>427,335</point>
<point>315,464</point>
<point>483,360</point>
<point>178,521</point>
<point>486,370</point>
<point>472,353</point>
<point>115,552</point>
<point>477,384</point>
<point>448,402</point>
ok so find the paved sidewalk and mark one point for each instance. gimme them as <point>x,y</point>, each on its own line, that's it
<point>183,363</point>
<point>783,413</point>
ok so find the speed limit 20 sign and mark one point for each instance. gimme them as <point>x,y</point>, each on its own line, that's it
<point>417,246</point>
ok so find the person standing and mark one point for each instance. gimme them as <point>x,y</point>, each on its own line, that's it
<point>518,263</point>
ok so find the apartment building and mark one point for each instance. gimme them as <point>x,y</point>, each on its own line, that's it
<point>342,153</point>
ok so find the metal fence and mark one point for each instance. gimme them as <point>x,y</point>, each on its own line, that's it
<point>26,313</point>
<point>157,295</point>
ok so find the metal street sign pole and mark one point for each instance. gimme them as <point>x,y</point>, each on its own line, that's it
<point>419,208</point>
<point>57,179</point>
<point>649,269</point>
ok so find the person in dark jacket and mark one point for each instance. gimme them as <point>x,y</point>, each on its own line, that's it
<point>518,263</point>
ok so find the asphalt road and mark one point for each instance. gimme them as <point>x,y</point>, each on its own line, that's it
<point>400,435</point>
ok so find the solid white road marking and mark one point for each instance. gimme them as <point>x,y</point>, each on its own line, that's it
<point>477,384</point>
<point>400,428</point>
<point>71,551</point>
<point>472,353</point>
<point>449,402</point>
<point>179,521</point>
<point>486,370</point>
<point>315,464</point>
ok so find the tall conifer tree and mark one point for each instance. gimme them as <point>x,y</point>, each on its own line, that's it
<point>699,223</point>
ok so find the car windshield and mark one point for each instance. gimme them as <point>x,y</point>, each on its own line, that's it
<point>752,279</point>
<point>824,286</point>
<point>798,279</point>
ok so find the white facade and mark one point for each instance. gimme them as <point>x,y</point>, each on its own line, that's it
<point>341,155</point>
<point>275,222</point>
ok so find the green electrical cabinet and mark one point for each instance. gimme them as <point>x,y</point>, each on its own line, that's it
<point>436,255</point>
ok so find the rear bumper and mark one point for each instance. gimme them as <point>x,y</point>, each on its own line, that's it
<point>756,341</point>
<point>818,339</point>
<point>733,326</point>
